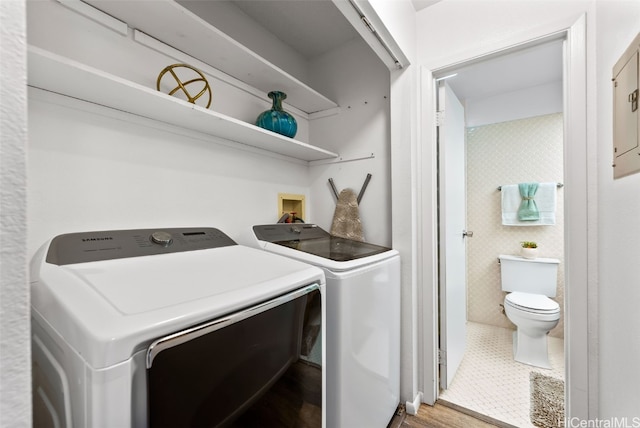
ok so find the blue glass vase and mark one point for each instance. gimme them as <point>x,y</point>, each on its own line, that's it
<point>276,119</point>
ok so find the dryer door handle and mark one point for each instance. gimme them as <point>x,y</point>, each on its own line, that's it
<point>183,336</point>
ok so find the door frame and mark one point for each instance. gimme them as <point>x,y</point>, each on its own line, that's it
<point>581,368</point>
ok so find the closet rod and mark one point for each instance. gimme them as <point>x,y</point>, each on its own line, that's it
<point>558,184</point>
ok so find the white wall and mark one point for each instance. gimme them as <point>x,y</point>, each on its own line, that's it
<point>618,22</point>
<point>15,357</point>
<point>398,18</point>
<point>360,130</point>
<point>485,26</point>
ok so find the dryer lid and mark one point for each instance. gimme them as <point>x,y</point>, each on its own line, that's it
<point>535,302</point>
<point>109,308</point>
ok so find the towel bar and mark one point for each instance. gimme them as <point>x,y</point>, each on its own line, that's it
<point>558,184</point>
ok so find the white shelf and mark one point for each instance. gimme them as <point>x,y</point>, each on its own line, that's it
<point>174,25</point>
<point>64,76</point>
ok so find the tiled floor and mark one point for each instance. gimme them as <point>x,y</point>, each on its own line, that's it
<point>490,382</point>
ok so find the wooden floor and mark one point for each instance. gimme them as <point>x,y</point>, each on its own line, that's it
<point>295,401</point>
<point>440,416</point>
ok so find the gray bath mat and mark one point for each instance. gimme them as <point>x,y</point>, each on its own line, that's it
<point>547,401</point>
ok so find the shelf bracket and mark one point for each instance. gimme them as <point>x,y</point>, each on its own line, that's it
<point>341,159</point>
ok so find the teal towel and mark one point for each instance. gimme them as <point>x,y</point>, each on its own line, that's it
<point>528,210</point>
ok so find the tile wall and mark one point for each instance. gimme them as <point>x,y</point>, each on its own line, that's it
<point>526,150</point>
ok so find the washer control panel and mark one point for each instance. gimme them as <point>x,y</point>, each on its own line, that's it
<point>85,247</point>
<point>162,238</point>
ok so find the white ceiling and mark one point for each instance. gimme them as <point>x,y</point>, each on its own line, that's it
<point>522,69</point>
<point>313,27</point>
<point>421,4</point>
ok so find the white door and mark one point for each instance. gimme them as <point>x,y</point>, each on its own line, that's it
<point>452,234</point>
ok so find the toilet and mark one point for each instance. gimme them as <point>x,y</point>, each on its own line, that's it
<point>530,283</point>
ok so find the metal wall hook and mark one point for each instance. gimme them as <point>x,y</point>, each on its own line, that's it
<point>364,187</point>
<point>333,187</point>
<point>362,190</point>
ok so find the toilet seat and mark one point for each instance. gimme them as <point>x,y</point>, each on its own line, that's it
<point>533,303</point>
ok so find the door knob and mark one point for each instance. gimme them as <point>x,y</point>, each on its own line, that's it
<point>467,233</point>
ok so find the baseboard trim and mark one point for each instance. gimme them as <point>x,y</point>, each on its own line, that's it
<point>413,406</point>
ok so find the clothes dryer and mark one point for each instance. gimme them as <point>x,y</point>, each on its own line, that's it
<point>172,327</point>
<point>363,319</point>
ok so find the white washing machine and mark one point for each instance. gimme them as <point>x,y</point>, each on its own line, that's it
<point>173,327</point>
<point>363,319</point>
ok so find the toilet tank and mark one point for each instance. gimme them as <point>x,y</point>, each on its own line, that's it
<point>537,276</point>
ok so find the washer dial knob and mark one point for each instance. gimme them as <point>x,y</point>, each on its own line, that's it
<point>161,238</point>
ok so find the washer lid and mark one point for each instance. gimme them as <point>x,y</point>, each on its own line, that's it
<point>311,244</point>
<point>532,302</point>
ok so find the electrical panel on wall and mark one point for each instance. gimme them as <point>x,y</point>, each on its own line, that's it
<point>626,149</point>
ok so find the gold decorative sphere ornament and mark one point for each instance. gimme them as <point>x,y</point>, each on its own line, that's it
<point>184,78</point>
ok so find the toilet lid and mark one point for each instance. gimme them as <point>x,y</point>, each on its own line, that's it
<point>532,302</point>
